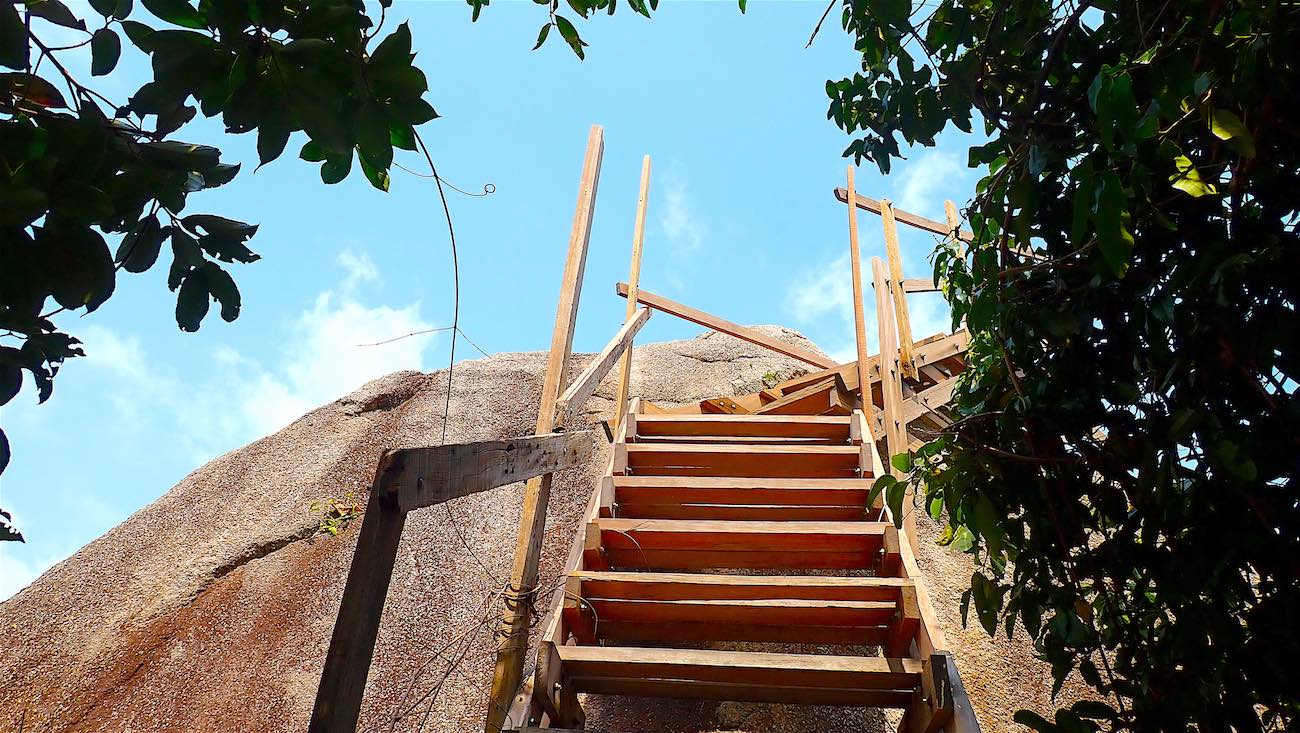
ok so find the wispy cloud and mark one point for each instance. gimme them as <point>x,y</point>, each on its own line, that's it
<point>930,178</point>
<point>823,295</point>
<point>680,223</point>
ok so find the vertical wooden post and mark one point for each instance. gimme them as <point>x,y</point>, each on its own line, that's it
<point>633,279</point>
<point>896,286</point>
<point>859,317</point>
<point>512,634</point>
<point>352,646</point>
<point>891,387</point>
<point>954,221</point>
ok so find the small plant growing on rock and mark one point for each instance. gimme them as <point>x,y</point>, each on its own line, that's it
<point>770,379</point>
<point>335,514</point>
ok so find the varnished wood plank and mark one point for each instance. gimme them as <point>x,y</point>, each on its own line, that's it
<point>702,586</point>
<point>863,363</point>
<point>420,477</point>
<point>701,318</point>
<point>793,461</point>
<point>793,426</point>
<point>814,670</point>
<point>742,511</point>
<point>920,285</point>
<point>895,429</point>
<point>513,628</point>
<point>722,406</point>
<point>585,384</point>
<point>913,220</point>
<point>678,632</point>
<point>816,399</point>
<point>693,690</point>
<point>634,490</point>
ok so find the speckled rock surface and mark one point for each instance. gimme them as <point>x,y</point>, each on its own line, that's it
<point>211,608</point>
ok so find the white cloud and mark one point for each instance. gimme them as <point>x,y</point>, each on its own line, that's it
<point>359,267</point>
<point>823,294</point>
<point>929,179</point>
<point>684,230</point>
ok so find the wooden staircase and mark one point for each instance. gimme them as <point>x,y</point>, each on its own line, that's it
<point>710,532</point>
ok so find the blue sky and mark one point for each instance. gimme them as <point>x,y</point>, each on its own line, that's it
<point>741,223</point>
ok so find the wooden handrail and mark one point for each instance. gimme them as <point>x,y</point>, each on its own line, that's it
<point>585,384</point>
<point>699,317</point>
<point>920,222</point>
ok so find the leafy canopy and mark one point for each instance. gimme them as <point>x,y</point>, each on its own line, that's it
<point>91,188</point>
<point>1124,464</point>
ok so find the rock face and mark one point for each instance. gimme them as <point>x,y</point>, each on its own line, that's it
<point>211,608</point>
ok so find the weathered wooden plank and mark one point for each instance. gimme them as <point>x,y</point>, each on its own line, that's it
<point>701,318</point>
<point>920,222</point>
<point>891,381</point>
<point>829,396</point>
<point>920,285</point>
<point>921,403</point>
<point>863,363</point>
<point>513,629</point>
<point>420,477</point>
<point>744,692</point>
<point>667,586</point>
<point>585,384</point>
<point>347,664</point>
<point>634,281</point>
<point>759,668</point>
<point>828,427</point>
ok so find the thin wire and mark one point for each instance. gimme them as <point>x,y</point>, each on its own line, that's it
<point>451,359</point>
<point>488,188</point>
<point>425,331</point>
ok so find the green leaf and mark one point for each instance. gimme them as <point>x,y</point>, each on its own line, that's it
<point>79,256</point>
<point>570,35</point>
<point>34,89</point>
<point>1113,237</point>
<point>270,142</point>
<point>192,300</point>
<point>223,289</point>
<point>1033,720</point>
<point>541,36</point>
<point>411,111</point>
<point>185,255</point>
<point>178,12</point>
<point>1188,179</point>
<point>212,224</point>
<point>14,49</point>
<point>881,484</point>
<point>894,500</point>
<point>312,152</point>
<point>901,461</point>
<point>336,169</point>
<point>401,135</point>
<point>56,12</point>
<point>1227,126</point>
<point>378,176</point>
<point>395,50</point>
<point>987,521</point>
<point>963,540</point>
<point>104,7</point>
<point>105,48</point>
<point>139,248</point>
<point>742,6</point>
<point>137,33</point>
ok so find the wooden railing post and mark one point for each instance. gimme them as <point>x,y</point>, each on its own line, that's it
<point>891,387</point>
<point>512,633</point>
<point>633,285</point>
<point>859,317</point>
<point>896,288</point>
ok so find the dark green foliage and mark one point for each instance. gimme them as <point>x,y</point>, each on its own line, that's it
<point>80,174</point>
<point>1124,467</point>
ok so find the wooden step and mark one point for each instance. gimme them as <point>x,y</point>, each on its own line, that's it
<point>749,676</point>
<point>657,544</point>
<point>770,461</point>
<point>706,497</point>
<point>753,428</point>
<point>667,607</point>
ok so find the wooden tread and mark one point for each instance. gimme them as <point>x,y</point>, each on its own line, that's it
<point>726,675</point>
<point>666,607</point>
<point>706,497</point>
<point>742,461</point>
<point>657,544</point>
<point>827,429</point>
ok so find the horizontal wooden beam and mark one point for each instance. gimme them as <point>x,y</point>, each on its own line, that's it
<point>920,222</point>
<point>919,404</point>
<point>699,317</point>
<point>420,477</point>
<point>919,284</point>
<point>584,386</point>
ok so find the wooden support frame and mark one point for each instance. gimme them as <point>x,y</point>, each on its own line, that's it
<point>408,479</point>
<point>634,282</point>
<point>585,384</point>
<point>699,317</point>
<point>513,629</point>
